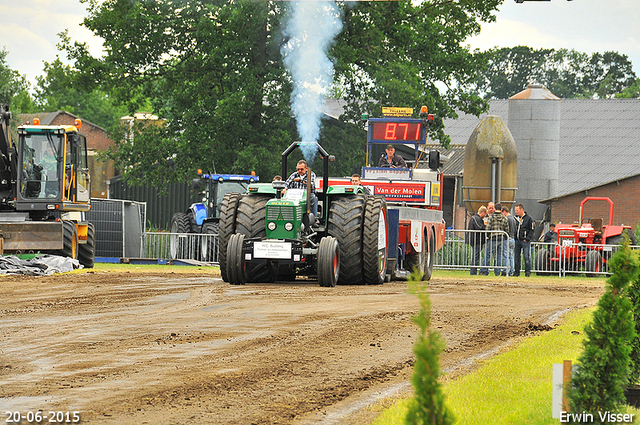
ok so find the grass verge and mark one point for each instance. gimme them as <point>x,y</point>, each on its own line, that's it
<point>512,387</point>
<point>148,268</point>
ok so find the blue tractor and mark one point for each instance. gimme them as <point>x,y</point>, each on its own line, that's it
<point>203,217</point>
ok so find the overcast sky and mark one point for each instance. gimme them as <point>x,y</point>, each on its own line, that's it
<point>29,28</point>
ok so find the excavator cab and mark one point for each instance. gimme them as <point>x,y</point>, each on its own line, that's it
<point>53,173</point>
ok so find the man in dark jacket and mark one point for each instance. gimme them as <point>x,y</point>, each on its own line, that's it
<point>391,159</point>
<point>524,233</point>
<point>476,237</point>
<point>497,234</point>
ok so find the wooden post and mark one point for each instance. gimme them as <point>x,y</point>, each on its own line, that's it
<point>566,382</point>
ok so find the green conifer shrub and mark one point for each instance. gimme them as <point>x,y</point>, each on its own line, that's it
<point>598,385</point>
<point>634,296</point>
<point>427,405</point>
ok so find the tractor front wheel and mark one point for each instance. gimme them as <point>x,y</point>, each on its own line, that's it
<point>236,270</point>
<point>227,227</point>
<point>430,257</point>
<point>86,251</point>
<point>251,222</point>
<point>70,240</point>
<point>209,243</point>
<point>422,262</point>
<point>178,243</point>
<point>328,262</point>
<point>593,264</point>
<point>542,262</point>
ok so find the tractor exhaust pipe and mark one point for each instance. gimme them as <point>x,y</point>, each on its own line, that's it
<point>308,190</point>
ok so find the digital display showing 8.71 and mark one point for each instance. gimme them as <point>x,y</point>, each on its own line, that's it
<point>397,131</point>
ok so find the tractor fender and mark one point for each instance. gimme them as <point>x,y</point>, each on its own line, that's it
<point>199,211</point>
<point>610,231</point>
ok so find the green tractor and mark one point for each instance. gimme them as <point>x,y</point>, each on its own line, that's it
<point>268,236</point>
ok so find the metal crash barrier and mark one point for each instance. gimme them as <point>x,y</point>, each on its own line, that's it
<point>456,254</point>
<point>546,258</point>
<point>181,246</point>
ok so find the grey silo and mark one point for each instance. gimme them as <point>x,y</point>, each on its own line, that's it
<point>534,122</point>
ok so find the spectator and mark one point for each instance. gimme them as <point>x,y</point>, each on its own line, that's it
<point>524,233</point>
<point>390,159</point>
<point>497,234</point>
<point>551,236</point>
<point>511,243</point>
<point>476,237</point>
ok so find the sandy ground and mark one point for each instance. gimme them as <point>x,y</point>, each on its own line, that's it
<point>186,348</point>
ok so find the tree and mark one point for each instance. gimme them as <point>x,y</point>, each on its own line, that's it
<point>633,91</point>
<point>604,363</point>
<point>566,73</point>
<point>608,73</point>
<point>214,71</point>
<point>59,90</point>
<point>14,87</point>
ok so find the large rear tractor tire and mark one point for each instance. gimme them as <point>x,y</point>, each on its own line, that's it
<point>178,244</point>
<point>328,262</point>
<point>86,251</point>
<point>251,222</point>
<point>236,269</point>
<point>617,240</point>
<point>228,211</point>
<point>593,264</point>
<point>209,243</point>
<point>374,241</point>
<point>346,219</point>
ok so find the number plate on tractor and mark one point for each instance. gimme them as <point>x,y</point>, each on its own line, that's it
<point>276,250</point>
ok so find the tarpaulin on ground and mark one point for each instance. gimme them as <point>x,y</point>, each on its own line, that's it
<point>45,265</point>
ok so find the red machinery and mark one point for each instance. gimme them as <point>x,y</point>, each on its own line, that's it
<point>587,246</point>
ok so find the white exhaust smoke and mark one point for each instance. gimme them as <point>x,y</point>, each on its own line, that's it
<point>310,27</point>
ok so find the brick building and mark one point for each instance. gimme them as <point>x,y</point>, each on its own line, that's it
<point>97,140</point>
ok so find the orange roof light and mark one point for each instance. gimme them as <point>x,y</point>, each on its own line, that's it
<point>424,110</point>
<point>253,173</point>
<point>199,171</point>
<point>78,123</point>
<point>36,121</point>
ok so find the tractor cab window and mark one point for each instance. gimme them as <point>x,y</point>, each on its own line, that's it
<point>40,178</point>
<point>77,182</point>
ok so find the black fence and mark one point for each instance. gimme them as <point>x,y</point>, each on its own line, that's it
<point>159,209</point>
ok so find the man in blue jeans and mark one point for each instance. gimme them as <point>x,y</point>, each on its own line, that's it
<point>511,243</point>
<point>524,233</point>
<point>497,234</point>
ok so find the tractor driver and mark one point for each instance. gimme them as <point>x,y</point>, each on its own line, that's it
<point>298,180</point>
<point>390,159</point>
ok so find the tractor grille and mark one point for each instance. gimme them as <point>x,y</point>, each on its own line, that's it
<point>287,213</point>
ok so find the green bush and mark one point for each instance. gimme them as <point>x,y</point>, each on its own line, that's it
<point>598,385</point>
<point>427,405</point>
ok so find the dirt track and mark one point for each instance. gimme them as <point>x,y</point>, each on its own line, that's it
<point>131,348</point>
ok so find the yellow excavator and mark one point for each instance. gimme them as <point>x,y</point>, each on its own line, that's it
<point>45,190</point>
